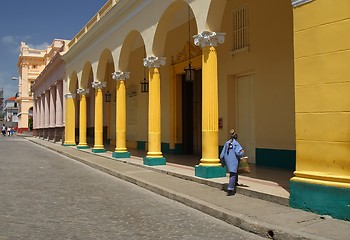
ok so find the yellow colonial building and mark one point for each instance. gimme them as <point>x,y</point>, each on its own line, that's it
<point>30,63</point>
<point>273,70</point>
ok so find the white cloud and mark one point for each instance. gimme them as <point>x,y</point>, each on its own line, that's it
<point>40,46</point>
<point>13,42</point>
<point>8,40</point>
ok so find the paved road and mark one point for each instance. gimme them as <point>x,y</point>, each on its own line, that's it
<point>44,195</point>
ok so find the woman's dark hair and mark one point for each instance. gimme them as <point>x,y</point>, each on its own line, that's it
<point>234,136</point>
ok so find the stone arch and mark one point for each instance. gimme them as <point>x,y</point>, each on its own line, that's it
<point>215,14</point>
<point>104,65</point>
<point>175,15</point>
<point>73,83</point>
<point>132,41</point>
<point>87,74</point>
<point>131,57</point>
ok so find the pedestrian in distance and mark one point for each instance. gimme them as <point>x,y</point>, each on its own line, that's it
<point>12,132</point>
<point>3,130</point>
<point>230,157</point>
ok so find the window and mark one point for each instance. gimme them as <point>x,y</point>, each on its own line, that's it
<point>240,29</point>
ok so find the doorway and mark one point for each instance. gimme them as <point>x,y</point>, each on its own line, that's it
<point>245,115</point>
<point>192,115</point>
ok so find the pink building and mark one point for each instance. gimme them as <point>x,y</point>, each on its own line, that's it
<point>48,101</point>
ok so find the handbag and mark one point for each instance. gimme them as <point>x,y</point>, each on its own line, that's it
<point>244,165</point>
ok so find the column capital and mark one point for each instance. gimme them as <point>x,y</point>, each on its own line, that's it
<point>98,85</point>
<point>119,75</point>
<point>69,95</point>
<point>153,61</point>
<point>83,91</point>
<point>207,38</point>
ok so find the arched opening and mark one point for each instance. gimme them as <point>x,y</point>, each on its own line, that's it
<point>185,132</point>
<point>30,119</point>
<point>86,80</point>
<point>104,74</point>
<point>131,60</point>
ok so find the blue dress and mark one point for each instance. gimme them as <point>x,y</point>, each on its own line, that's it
<point>231,155</point>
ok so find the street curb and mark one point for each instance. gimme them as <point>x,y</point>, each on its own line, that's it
<point>246,223</point>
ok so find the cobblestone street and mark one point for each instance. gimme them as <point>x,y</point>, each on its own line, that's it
<point>47,196</point>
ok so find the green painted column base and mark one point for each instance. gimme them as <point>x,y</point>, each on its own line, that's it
<point>82,147</point>
<point>98,150</point>
<point>154,161</point>
<point>321,199</point>
<point>69,144</point>
<point>209,172</point>
<point>121,154</point>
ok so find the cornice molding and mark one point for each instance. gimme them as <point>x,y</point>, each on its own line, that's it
<point>113,20</point>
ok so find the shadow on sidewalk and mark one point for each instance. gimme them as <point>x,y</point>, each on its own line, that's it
<point>276,175</point>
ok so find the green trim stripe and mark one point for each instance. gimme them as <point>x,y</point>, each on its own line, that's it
<point>277,158</point>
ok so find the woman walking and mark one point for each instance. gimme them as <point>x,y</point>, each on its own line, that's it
<point>231,155</point>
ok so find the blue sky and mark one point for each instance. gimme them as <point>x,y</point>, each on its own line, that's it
<point>37,23</point>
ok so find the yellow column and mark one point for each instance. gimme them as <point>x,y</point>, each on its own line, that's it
<point>154,154</point>
<point>70,121</point>
<point>98,145</point>
<point>120,149</point>
<point>82,119</point>
<point>322,108</point>
<point>210,166</point>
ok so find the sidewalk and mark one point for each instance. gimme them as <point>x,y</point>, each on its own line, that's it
<point>270,219</point>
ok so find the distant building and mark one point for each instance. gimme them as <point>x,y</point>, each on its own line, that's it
<point>30,63</point>
<point>11,110</point>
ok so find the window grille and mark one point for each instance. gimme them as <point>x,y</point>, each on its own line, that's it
<point>240,28</point>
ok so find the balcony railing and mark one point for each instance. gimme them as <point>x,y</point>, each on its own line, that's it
<point>93,21</point>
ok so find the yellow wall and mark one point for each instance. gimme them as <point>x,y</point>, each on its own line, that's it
<point>137,127</point>
<point>270,60</point>
<point>322,84</point>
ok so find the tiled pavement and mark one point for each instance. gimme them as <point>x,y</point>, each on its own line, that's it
<point>259,207</point>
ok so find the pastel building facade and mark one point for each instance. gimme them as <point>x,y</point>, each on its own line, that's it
<point>48,94</point>
<point>275,71</point>
<point>30,63</point>
<point>11,111</point>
